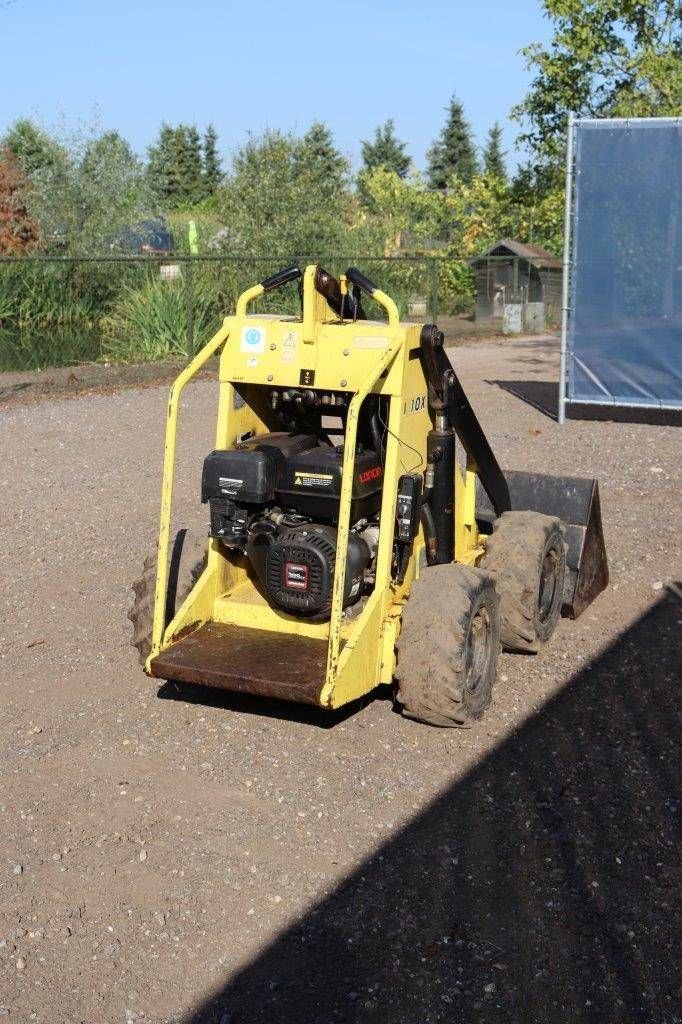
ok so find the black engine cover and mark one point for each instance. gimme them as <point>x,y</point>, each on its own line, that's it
<point>251,472</point>
<point>311,484</point>
<point>298,570</point>
<point>236,479</point>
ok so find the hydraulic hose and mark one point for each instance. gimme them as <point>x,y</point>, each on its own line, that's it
<point>377,439</point>
<point>429,525</point>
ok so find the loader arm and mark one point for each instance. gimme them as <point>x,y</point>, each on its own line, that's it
<point>447,394</point>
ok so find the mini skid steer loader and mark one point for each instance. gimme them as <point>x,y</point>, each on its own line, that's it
<point>350,544</point>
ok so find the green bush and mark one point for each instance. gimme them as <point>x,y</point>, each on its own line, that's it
<point>456,287</point>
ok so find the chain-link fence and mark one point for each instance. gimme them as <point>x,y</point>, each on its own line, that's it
<point>66,310</point>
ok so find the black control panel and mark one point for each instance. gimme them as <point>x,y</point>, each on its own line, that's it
<point>408,507</point>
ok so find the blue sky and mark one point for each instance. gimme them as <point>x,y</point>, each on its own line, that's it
<point>246,66</point>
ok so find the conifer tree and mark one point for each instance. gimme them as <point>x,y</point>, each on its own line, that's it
<point>193,184</point>
<point>213,174</point>
<point>453,153</point>
<point>317,158</point>
<point>493,154</point>
<point>386,150</point>
<point>175,167</point>
<point>160,159</point>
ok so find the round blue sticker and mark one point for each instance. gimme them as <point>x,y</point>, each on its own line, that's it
<point>252,336</point>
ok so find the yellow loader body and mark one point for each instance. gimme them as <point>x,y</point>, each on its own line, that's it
<point>227,632</point>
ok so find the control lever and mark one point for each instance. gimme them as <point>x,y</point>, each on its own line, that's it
<point>328,286</point>
<point>281,278</point>
<point>356,277</point>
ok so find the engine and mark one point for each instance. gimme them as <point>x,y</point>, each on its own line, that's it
<point>276,498</point>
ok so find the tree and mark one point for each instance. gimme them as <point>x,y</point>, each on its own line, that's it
<point>108,188</point>
<point>400,207</point>
<point>105,151</point>
<point>159,165</point>
<point>493,154</point>
<point>213,174</point>
<point>18,230</point>
<point>386,151</point>
<point>84,188</point>
<point>35,150</point>
<point>317,159</point>
<point>286,196</point>
<point>607,58</point>
<point>193,166</point>
<point>175,167</point>
<point>453,154</point>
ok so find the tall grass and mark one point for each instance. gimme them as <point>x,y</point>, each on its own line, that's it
<point>43,349</point>
<point>152,322</point>
<point>53,295</point>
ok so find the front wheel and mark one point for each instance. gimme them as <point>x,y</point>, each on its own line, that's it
<point>527,554</point>
<point>448,646</point>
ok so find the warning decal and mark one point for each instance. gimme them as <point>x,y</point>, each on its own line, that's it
<point>312,479</point>
<point>289,346</point>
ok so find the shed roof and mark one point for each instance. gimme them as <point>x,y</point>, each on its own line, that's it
<point>535,254</point>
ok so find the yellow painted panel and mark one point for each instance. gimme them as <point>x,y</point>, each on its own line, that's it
<point>265,351</point>
<point>246,606</point>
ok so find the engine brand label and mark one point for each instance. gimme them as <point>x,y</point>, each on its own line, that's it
<point>253,340</point>
<point>295,576</point>
<point>228,485</point>
<point>313,480</point>
<point>370,474</point>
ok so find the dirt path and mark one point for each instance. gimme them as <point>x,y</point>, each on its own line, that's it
<point>220,859</point>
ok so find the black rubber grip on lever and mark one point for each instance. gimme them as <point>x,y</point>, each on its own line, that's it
<point>358,278</point>
<point>280,278</point>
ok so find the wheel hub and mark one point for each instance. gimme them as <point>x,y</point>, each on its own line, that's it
<point>548,584</point>
<point>477,650</point>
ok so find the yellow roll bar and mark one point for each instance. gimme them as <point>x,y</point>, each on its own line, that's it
<point>389,305</point>
<point>347,488</point>
<point>176,390</point>
<point>248,296</point>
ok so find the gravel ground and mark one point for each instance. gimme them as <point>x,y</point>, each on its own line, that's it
<point>198,857</point>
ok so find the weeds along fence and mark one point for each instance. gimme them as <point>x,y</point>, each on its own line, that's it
<point>61,311</point>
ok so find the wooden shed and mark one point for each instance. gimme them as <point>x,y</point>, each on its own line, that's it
<point>517,274</point>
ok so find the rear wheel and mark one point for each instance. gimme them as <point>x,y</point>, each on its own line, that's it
<point>448,646</point>
<point>188,560</point>
<point>527,553</point>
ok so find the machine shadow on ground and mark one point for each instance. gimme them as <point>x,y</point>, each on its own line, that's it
<point>543,395</point>
<point>539,888</point>
<point>267,707</point>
